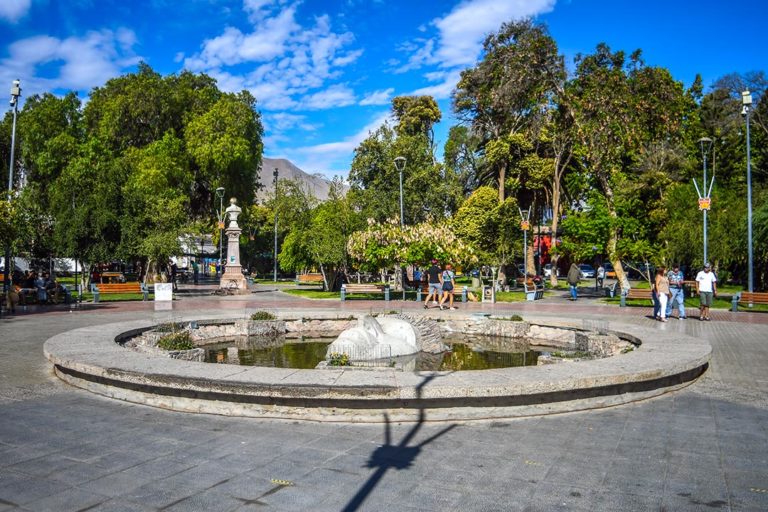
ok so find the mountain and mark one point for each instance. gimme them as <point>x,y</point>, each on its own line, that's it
<point>318,185</point>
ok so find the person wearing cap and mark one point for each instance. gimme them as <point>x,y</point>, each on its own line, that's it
<point>676,281</point>
<point>435,284</point>
<point>706,287</point>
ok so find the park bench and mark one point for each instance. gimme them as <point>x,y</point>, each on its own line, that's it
<point>350,288</point>
<point>533,290</point>
<point>748,298</point>
<point>107,288</point>
<point>637,293</point>
<point>310,278</point>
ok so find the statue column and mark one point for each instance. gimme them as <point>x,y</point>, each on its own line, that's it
<point>233,277</point>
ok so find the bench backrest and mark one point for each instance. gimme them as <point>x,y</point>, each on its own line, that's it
<point>133,287</point>
<point>754,297</point>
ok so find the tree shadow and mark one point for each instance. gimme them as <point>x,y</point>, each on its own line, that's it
<point>394,456</point>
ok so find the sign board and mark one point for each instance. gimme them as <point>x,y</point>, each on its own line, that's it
<point>163,291</point>
<point>221,225</point>
<point>705,203</point>
<point>525,225</point>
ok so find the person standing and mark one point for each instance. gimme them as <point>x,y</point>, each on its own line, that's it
<point>661,284</point>
<point>195,271</point>
<point>448,278</point>
<point>574,276</point>
<point>706,287</point>
<point>676,283</point>
<point>435,284</point>
<point>600,276</point>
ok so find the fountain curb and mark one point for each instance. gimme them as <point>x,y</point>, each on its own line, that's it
<point>90,359</point>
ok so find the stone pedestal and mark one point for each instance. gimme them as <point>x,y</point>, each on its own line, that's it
<point>233,278</point>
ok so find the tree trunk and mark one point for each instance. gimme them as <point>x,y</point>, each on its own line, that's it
<point>554,256</point>
<point>613,234</point>
<point>502,179</point>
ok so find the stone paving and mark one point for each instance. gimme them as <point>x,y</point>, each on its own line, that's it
<point>702,448</point>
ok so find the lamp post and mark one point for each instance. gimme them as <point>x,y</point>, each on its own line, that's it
<point>746,102</point>
<point>705,199</point>
<point>15,94</point>
<point>275,174</point>
<point>525,224</point>
<point>220,195</point>
<point>400,166</point>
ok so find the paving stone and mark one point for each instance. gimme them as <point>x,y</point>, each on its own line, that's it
<point>702,448</point>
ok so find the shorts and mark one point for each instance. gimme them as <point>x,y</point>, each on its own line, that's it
<point>435,287</point>
<point>705,299</point>
<point>447,287</point>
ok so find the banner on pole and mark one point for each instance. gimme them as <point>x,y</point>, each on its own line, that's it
<point>705,203</point>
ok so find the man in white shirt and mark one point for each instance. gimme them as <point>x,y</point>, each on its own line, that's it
<point>706,287</point>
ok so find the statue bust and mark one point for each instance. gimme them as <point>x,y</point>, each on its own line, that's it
<point>233,211</point>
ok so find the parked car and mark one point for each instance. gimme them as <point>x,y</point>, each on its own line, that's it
<point>587,271</point>
<point>548,270</point>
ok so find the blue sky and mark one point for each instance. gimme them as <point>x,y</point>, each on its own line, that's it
<point>324,72</point>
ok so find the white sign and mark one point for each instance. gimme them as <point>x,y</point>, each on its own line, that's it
<point>163,291</point>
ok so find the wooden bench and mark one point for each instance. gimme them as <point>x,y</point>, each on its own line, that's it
<point>748,298</point>
<point>311,278</point>
<point>350,288</point>
<point>131,287</point>
<point>637,293</point>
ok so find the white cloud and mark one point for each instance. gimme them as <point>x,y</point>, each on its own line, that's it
<point>463,30</point>
<point>378,97</point>
<point>291,64</point>
<point>14,10</point>
<point>441,90</point>
<point>338,95</point>
<point>281,121</point>
<point>74,63</point>
<point>332,158</point>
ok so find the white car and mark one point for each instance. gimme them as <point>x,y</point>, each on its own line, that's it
<point>548,270</point>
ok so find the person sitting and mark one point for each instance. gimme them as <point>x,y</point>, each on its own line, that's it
<point>41,284</point>
<point>28,291</point>
<point>12,300</point>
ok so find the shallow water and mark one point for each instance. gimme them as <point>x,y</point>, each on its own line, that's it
<point>477,353</point>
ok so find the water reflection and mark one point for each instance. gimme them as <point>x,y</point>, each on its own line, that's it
<point>476,353</point>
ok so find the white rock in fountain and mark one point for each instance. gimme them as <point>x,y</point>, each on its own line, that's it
<point>376,339</point>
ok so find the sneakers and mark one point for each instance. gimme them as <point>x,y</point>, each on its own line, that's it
<point>426,307</point>
<point>453,308</point>
<point>681,318</point>
<point>434,303</point>
<point>441,307</point>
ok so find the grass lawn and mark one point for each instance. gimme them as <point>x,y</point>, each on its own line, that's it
<point>314,294</point>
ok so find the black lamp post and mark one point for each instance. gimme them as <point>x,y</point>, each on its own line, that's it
<point>746,102</point>
<point>15,94</point>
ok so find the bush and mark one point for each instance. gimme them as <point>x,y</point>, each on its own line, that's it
<point>176,341</point>
<point>338,359</point>
<point>263,315</point>
<point>513,318</point>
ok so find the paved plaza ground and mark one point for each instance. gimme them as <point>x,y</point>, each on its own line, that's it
<point>702,448</point>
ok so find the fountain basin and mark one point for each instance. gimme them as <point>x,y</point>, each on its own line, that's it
<point>89,358</point>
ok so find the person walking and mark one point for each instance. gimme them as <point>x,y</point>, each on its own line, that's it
<point>661,285</point>
<point>676,283</point>
<point>706,287</point>
<point>448,279</point>
<point>574,276</point>
<point>435,284</point>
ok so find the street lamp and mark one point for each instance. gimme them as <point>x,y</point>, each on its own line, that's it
<point>220,195</point>
<point>525,224</point>
<point>400,166</point>
<point>705,199</point>
<point>15,94</point>
<point>275,174</point>
<point>746,107</point>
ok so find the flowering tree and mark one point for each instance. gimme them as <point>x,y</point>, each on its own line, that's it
<point>388,244</point>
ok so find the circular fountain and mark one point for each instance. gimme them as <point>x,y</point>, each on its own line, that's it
<point>94,359</point>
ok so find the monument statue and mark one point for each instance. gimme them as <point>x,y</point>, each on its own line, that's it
<point>233,279</point>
